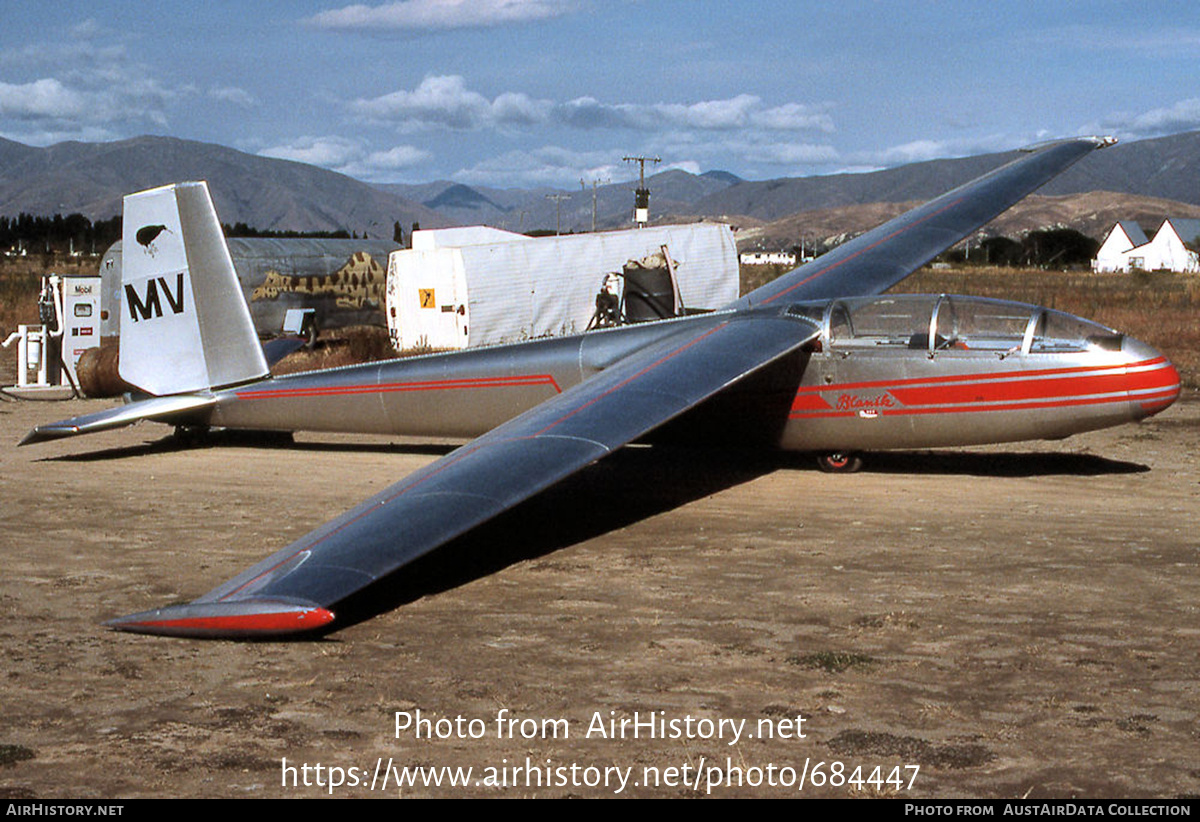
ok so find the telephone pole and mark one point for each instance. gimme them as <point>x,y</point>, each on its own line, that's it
<point>558,198</point>
<point>641,197</point>
<point>583,185</point>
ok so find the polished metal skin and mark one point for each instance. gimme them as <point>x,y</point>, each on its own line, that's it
<point>865,392</point>
<point>801,363</point>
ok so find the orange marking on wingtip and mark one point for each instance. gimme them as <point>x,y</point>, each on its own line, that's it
<point>279,622</point>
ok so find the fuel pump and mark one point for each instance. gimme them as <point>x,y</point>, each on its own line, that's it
<point>50,316</point>
<point>69,316</point>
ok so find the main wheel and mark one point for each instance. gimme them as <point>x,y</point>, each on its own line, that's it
<point>191,436</point>
<point>839,462</point>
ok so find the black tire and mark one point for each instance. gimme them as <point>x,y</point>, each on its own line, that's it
<point>839,462</point>
<point>310,333</point>
<point>191,436</point>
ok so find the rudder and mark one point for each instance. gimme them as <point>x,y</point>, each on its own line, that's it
<point>185,325</point>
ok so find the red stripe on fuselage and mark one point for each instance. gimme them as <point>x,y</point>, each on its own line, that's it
<point>998,391</point>
<point>1027,389</point>
<point>392,387</point>
<point>810,402</point>
<point>993,375</point>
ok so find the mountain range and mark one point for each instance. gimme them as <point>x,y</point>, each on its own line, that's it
<point>91,179</point>
<point>1158,176</point>
<point>673,192</point>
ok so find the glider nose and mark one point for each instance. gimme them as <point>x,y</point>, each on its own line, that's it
<point>1152,380</point>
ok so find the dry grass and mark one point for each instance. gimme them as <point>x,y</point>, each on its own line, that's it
<point>752,276</point>
<point>339,347</point>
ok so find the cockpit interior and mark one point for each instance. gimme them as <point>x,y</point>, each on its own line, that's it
<point>942,322</point>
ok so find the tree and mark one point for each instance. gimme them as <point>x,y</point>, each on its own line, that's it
<point>1001,251</point>
<point>1059,247</point>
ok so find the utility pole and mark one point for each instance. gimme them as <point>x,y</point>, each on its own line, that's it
<point>583,185</point>
<point>641,197</point>
<point>558,198</point>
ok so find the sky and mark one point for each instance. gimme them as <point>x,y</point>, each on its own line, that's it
<point>531,93</point>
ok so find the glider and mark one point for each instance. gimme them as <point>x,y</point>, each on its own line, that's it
<point>814,361</point>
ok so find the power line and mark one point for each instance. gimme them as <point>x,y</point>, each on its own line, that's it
<point>595,182</point>
<point>558,198</point>
<point>641,198</point>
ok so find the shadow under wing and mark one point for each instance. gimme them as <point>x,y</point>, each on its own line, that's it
<point>297,588</point>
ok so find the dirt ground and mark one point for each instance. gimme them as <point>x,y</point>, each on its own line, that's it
<point>1015,621</point>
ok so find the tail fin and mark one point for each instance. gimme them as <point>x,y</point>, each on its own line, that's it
<point>185,326</point>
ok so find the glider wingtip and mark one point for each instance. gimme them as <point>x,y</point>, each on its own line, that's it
<point>1096,141</point>
<point>44,433</point>
<point>248,619</point>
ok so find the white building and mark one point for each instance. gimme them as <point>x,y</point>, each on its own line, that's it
<point>1122,238</point>
<point>768,258</point>
<point>1174,248</point>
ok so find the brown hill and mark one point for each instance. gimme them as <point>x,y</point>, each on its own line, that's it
<point>1093,214</point>
<point>264,192</point>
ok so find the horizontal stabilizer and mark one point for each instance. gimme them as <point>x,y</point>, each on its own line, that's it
<point>245,619</point>
<point>161,409</point>
<point>278,348</point>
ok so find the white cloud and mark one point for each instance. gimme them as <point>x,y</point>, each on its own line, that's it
<point>431,15</point>
<point>791,154</point>
<point>794,117</point>
<point>327,152</point>
<point>690,166</point>
<point>49,105</point>
<point>1183,116</point>
<point>588,112</point>
<point>88,87</point>
<point>709,114</point>
<point>350,157</point>
<point>912,152</point>
<point>33,136</point>
<point>446,101</point>
<point>740,112</point>
<point>549,166</point>
<point>398,157</point>
<point>921,150</point>
<point>42,99</point>
<point>86,30</point>
<point>233,94</point>
<point>758,151</point>
<point>386,166</point>
<point>515,109</point>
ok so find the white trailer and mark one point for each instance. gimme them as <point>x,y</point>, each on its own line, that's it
<point>494,289</point>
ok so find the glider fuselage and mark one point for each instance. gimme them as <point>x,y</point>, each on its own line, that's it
<point>886,372</point>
